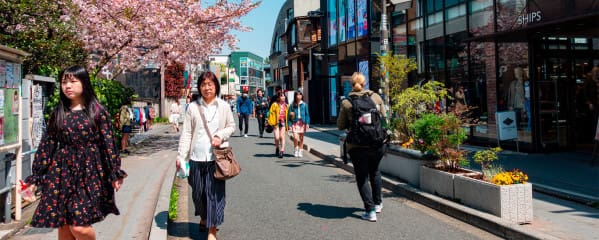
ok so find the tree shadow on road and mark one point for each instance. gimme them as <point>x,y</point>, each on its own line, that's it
<point>328,212</point>
<point>294,163</point>
<point>342,178</point>
<point>154,144</point>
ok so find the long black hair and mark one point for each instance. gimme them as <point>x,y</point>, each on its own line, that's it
<point>91,106</point>
<point>295,102</point>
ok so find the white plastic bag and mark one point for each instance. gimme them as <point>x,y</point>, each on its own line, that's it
<point>183,171</point>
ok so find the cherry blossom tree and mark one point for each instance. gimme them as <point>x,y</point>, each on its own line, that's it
<point>128,34</point>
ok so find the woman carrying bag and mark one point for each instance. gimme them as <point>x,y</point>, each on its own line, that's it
<point>195,144</point>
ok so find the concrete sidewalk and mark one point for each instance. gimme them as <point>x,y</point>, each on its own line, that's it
<point>554,218</point>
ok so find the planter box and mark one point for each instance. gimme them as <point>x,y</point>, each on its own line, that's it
<point>403,163</point>
<point>437,182</point>
<point>510,202</point>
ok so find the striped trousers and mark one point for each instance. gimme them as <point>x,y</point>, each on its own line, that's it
<point>208,193</point>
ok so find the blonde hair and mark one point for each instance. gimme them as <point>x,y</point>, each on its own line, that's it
<point>358,80</point>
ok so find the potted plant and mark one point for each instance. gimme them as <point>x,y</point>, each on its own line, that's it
<point>505,194</point>
<point>440,136</point>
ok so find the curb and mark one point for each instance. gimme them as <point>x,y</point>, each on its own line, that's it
<point>159,229</point>
<point>485,221</point>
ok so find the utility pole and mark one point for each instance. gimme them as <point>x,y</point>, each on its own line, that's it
<point>384,49</point>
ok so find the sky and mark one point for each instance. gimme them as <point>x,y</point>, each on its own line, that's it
<point>262,20</point>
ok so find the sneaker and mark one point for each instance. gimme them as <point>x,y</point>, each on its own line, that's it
<point>299,153</point>
<point>296,153</point>
<point>369,216</point>
<point>245,135</point>
<point>281,153</point>
<point>378,208</point>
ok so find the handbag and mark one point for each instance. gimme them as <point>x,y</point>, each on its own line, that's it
<point>226,165</point>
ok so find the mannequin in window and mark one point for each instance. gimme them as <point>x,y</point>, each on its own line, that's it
<point>516,93</point>
<point>527,100</point>
<point>460,101</point>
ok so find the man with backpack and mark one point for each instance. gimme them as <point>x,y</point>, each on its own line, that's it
<point>362,113</point>
<point>245,107</point>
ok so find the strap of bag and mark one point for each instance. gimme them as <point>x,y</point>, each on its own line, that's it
<point>204,121</point>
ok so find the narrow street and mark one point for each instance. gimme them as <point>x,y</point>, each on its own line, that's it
<point>308,198</point>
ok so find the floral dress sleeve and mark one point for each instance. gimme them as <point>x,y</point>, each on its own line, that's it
<point>109,150</point>
<point>43,159</point>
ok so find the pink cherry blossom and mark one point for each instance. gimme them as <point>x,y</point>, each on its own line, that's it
<point>128,34</point>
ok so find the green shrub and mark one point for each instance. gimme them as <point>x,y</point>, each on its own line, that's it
<point>172,206</point>
<point>160,120</point>
<point>440,136</point>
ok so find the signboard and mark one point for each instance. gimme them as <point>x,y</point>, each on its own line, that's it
<point>38,127</point>
<point>351,19</point>
<point>362,18</point>
<point>506,125</point>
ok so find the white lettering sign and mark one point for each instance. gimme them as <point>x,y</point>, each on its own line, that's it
<point>530,17</point>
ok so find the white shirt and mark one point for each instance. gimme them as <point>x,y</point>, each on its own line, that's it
<point>202,151</point>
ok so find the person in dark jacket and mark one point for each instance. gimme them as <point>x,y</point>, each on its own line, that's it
<point>245,107</point>
<point>261,107</point>
<point>365,159</point>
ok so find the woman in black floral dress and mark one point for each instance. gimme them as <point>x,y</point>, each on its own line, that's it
<point>77,166</point>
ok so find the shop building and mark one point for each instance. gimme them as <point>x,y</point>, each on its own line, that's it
<point>534,58</point>
<point>249,67</point>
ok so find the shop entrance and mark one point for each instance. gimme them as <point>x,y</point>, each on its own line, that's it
<point>567,97</point>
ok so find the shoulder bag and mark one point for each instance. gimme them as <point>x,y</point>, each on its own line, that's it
<point>226,165</point>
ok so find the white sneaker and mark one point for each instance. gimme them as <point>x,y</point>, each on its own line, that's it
<point>245,135</point>
<point>300,154</point>
<point>296,153</point>
<point>369,216</point>
<point>378,208</point>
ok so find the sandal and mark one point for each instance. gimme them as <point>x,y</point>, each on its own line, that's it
<point>203,228</point>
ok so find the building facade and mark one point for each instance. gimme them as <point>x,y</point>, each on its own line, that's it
<point>532,58</point>
<point>249,68</point>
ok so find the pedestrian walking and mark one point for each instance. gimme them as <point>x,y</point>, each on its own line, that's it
<point>260,110</point>
<point>245,107</point>
<point>195,145</point>
<point>151,115</point>
<point>77,166</point>
<point>278,119</point>
<point>365,157</point>
<point>126,124</point>
<point>175,114</point>
<point>299,121</point>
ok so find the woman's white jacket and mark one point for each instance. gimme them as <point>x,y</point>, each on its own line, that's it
<point>192,125</point>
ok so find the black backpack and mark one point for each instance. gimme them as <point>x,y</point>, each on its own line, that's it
<point>362,131</point>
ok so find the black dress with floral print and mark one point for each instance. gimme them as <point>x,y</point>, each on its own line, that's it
<point>75,173</point>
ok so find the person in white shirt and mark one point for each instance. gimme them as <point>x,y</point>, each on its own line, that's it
<point>174,116</point>
<point>195,146</point>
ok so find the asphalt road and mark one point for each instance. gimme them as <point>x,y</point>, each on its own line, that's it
<point>309,198</point>
<point>136,200</point>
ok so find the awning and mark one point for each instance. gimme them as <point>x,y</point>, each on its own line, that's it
<point>401,5</point>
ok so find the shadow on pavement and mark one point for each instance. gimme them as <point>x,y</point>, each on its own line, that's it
<point>569,207</point>
<point>187,230</point>
<point>265,144</point>
<point>160,219</point>
<point>328,212</point>
<point>342,178</point>
<point>154,144</point>
<point>293,163</point>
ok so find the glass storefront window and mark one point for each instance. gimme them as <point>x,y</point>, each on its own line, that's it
<point>435,59</point>
<point>511,15</point>
<point>482,19</point>
<point>513,86</point>
<point>362,18</point>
